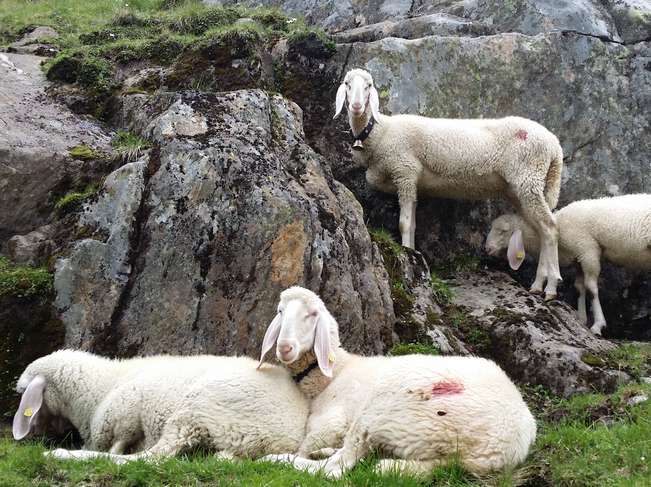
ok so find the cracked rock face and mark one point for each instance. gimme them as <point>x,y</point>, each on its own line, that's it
<point>536,342</point>
<point>235,208</point>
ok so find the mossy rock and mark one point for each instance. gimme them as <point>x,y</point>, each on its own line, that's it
<point>23,281</point>
<point>84,153</point>
<point>414,348</point>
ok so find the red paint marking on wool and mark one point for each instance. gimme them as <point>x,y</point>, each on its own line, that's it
<point>447,387</point>
<point>521,134</point>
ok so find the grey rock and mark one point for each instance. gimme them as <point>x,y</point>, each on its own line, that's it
<point>632,18</point>
<point>638,399</point>
<point>230,217</point>
<point>33,248</point>
<point>535,342</point>
<point>90,282</point>
<point>413,28</point>
<point>31,43</point>
<point>532,17</point>
<point>35,135</point>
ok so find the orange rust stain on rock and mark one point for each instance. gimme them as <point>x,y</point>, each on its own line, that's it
<point>287,252</point>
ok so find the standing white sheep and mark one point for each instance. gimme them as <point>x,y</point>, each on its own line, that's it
<point>419,410</point>
<point>511,158</point>
<point>164,404</point>
<point>619,228</point>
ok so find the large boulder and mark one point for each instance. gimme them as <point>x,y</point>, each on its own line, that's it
<point>536,342</point>
<point>191,249</point>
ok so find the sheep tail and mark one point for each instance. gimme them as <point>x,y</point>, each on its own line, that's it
<point>553,179</point>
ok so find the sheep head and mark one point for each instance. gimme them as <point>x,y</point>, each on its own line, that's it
<point>40,404</point>
<point>302,324</point>
<point>506,233</point>
<point>359,90</point>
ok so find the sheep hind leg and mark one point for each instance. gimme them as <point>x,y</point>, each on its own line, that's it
<point>591,283</point>
<point>538,214</point>
<point>579,285</point>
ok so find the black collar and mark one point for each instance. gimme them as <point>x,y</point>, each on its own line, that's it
<point>302,374</point>
<point>363,135</point>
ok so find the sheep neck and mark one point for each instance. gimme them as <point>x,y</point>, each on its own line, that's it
<point>84,395</point>
<point>358,124</point>
<point>315,382</point>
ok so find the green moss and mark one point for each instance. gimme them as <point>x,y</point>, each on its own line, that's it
<point>200,21</point>
<point>72,201</point>
<point>403,300</point>
<point>471,332</point>
<point>128,146</point>
<point>442,292</point>
<point>593,360</point>
<point>414,348</point>
<point>22,281</point>
<point>84,153</point>
<point>385,241</point>
<point>312,40</point>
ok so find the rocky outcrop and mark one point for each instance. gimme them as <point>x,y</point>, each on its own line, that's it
<point>36,134</point>
<point>233,208</point>
<point>536,342</point>
<point>616,20</point>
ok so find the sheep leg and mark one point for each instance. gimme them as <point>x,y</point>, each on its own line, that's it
<point>538,214</point>
<point>119,447</point>
<point>579,285</point>
<point>591,274</point>
<point>407,222</point>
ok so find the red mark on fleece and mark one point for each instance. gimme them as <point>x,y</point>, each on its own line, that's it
<point>521,134</point>
<point>447,387</point>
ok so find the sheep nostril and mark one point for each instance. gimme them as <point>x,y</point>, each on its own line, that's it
<point>285,349</point>
<point>357,106</point>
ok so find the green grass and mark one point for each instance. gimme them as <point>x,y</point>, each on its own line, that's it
<point>22,281</point>
<point>23,464</point>
<point>442,293</point>
<point>128,146</point>
<point>596,439</point>
<point>589,440</point>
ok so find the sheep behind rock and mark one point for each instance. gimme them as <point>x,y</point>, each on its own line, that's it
<point>512,158</point>
<point>619,228</point>
<point>419,410</point>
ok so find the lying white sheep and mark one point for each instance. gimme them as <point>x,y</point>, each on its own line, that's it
<point>164,404</point>
<point>417,410</point>
<point>511,158</point>
<point>619,228</point>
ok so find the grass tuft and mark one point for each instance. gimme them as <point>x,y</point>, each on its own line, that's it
<point>443,294</point>
<point>23,281</point>
<point>84,153</point>
<point>128,146</point>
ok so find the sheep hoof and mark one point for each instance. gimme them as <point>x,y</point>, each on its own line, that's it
<point>596,328</point>
<point>549,297</point>
<point>536,290</point>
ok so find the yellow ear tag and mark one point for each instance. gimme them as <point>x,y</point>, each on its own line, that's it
<point>520,255</point>
<point>28,412</point>
<point>331,357</point>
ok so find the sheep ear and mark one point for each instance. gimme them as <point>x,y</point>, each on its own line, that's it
<point>341,98</point>
<point>322,342</point>
<point>374,101</point>
<point>515,252</point>
<point>270,337</point>
<point>30,404</point>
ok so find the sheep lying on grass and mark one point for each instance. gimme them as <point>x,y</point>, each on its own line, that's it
<point>511,158</point>
<point>619,228</point>
<point>417,410</point>
<point>164,404</point>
